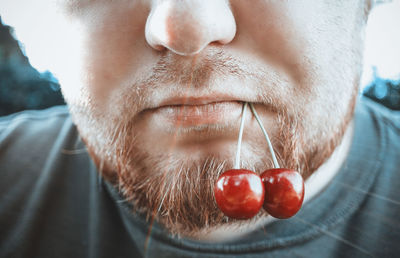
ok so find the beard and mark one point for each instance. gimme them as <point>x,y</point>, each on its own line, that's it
<point>177,190</point>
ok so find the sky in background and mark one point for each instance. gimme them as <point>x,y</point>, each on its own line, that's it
<point>382,49</point>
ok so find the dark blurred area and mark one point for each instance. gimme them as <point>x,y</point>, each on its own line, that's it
<point>22,87</point>
<point>384,91</point>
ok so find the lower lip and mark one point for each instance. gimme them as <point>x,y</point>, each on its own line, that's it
<point>205,114</point>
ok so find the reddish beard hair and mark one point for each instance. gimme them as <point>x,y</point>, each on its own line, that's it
<point>180,196</point>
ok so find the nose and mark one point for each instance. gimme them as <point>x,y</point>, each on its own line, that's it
<point>186,27</point>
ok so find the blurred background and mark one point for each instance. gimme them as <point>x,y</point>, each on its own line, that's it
<point>23,87</point>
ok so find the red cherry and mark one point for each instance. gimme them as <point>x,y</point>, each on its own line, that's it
<point>284,192</point>
<point>239,193</point>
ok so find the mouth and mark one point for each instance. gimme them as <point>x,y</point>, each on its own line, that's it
<point>198,111</point>
<point>196,114</point>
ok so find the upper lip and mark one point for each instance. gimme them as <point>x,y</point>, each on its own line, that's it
<point>197,100</point>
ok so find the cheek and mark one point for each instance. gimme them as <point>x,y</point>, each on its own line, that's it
<point>277,33</point>
<point>310,43</point>
<point>113,54</point>
<point>117,49</point>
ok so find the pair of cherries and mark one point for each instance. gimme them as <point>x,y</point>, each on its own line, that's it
<point>240,193</point>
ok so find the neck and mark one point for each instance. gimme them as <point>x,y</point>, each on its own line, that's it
<point>314,185</point>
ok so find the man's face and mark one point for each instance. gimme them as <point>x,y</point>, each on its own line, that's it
<point>156,89</point>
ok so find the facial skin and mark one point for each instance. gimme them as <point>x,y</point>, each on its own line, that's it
<point>155,89</point>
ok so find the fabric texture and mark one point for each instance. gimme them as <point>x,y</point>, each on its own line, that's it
<point>53,203</point>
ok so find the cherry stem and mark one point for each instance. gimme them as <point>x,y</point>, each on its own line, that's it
<point>239,144</point>
<point>271,150</point>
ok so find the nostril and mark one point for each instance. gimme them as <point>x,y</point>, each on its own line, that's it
<point>159,47</point>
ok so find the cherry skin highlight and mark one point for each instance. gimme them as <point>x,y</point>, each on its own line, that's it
<point>284,192</point>
<point>239,193</point>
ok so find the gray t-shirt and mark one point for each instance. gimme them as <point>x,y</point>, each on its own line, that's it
<point>53,203</point>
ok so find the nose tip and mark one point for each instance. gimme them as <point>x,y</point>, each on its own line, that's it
<point>187,27</point>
